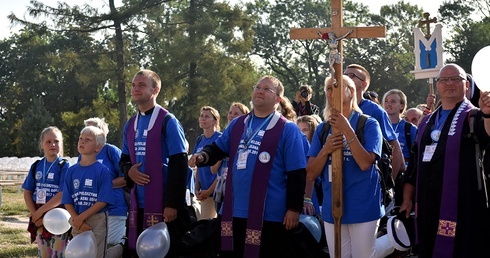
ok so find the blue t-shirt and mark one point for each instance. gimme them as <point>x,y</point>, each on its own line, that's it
<point>190,183</point>
<point>370,108</point>
<point>173,143</point>
<point>204,174</point>
<point>314,197</point>
<point>48,176</point>
<point>86,185</point>
<point>402,139</point>
<point>361,189</point>
<point>289,157</point>
<point>110,155</point>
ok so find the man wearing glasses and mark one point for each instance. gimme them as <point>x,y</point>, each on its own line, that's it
<point>266,177</point>
<point>451,203</point>
<point>362,79</point>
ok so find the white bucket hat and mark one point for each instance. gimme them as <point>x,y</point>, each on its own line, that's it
<point>397,234</point>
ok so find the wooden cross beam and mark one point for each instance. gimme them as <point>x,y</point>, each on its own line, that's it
<point>339,33</point>
<point>427,23</point>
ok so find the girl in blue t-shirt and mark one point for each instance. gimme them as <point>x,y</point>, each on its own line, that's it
<point>43,190</point>
<point>361,188</point>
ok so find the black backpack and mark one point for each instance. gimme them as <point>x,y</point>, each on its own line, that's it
<point>383,165</point>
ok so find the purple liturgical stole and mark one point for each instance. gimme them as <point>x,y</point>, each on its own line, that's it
<point>153,210</point>
<point>446,231</point>
<point>260,181</point>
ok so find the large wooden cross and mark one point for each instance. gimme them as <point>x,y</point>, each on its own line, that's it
<point>338,32</point>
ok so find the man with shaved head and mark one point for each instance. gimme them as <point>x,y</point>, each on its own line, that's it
<point>448,184</point>
<point>413,115</point>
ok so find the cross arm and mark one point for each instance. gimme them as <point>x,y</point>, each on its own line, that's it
<point>357,32</point>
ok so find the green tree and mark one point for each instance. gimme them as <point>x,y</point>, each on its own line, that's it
<point>62,68</point>
<point>389,59</point>
<point>36,118</point>
<point>293,62</point>
<point>471,22</point>
<point>87,19</point>
<point>200,50</point>
<point>5,140</point>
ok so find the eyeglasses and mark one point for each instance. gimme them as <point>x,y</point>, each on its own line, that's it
<point>264,89</point>
<point>352,75</point>
<point>454,79</point>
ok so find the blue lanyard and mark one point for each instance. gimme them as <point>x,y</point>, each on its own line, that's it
<point>397,124</point>
<point>249,135</point>
<point>440,119</point>
<point>44,167</point>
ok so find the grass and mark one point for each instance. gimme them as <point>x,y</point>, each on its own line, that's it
<point>14,243</point>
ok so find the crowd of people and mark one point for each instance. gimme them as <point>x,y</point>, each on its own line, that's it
<point>255,180</point>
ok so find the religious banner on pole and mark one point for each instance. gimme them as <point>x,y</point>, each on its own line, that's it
<point>334,36</point>
<point>428,49</point>
<point>428,52</point>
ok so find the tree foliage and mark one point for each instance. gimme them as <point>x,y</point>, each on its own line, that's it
<point>389,59</point>
<point>468,35</point>
<point>83,72</point>
<point>200,50</point>
<point>35,119</point>
<point>79,62</point>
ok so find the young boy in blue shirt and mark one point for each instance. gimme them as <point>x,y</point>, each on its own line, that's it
<point>88,191</point>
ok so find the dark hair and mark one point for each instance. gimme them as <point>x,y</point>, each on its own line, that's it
<point>307,88</point>
<point>371,95</point>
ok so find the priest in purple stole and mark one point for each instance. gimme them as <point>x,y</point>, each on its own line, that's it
<point>154,162</point>
<point>266,178</point>
<point>451,208</point>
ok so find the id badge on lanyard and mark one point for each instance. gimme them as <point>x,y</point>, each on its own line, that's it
<point>242,159</point>
<point>429,152</point>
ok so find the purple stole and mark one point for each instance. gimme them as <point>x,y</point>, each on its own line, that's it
<point>446,231</point>
<point>260,181</point>
<point>153,210</point>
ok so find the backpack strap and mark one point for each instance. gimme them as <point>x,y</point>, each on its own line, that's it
<point>326,129</point>
<point>359,129</point>
<point>408,127</point>
<point>62,163</point>
<point>33,169</point>
<point>480,175</point>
